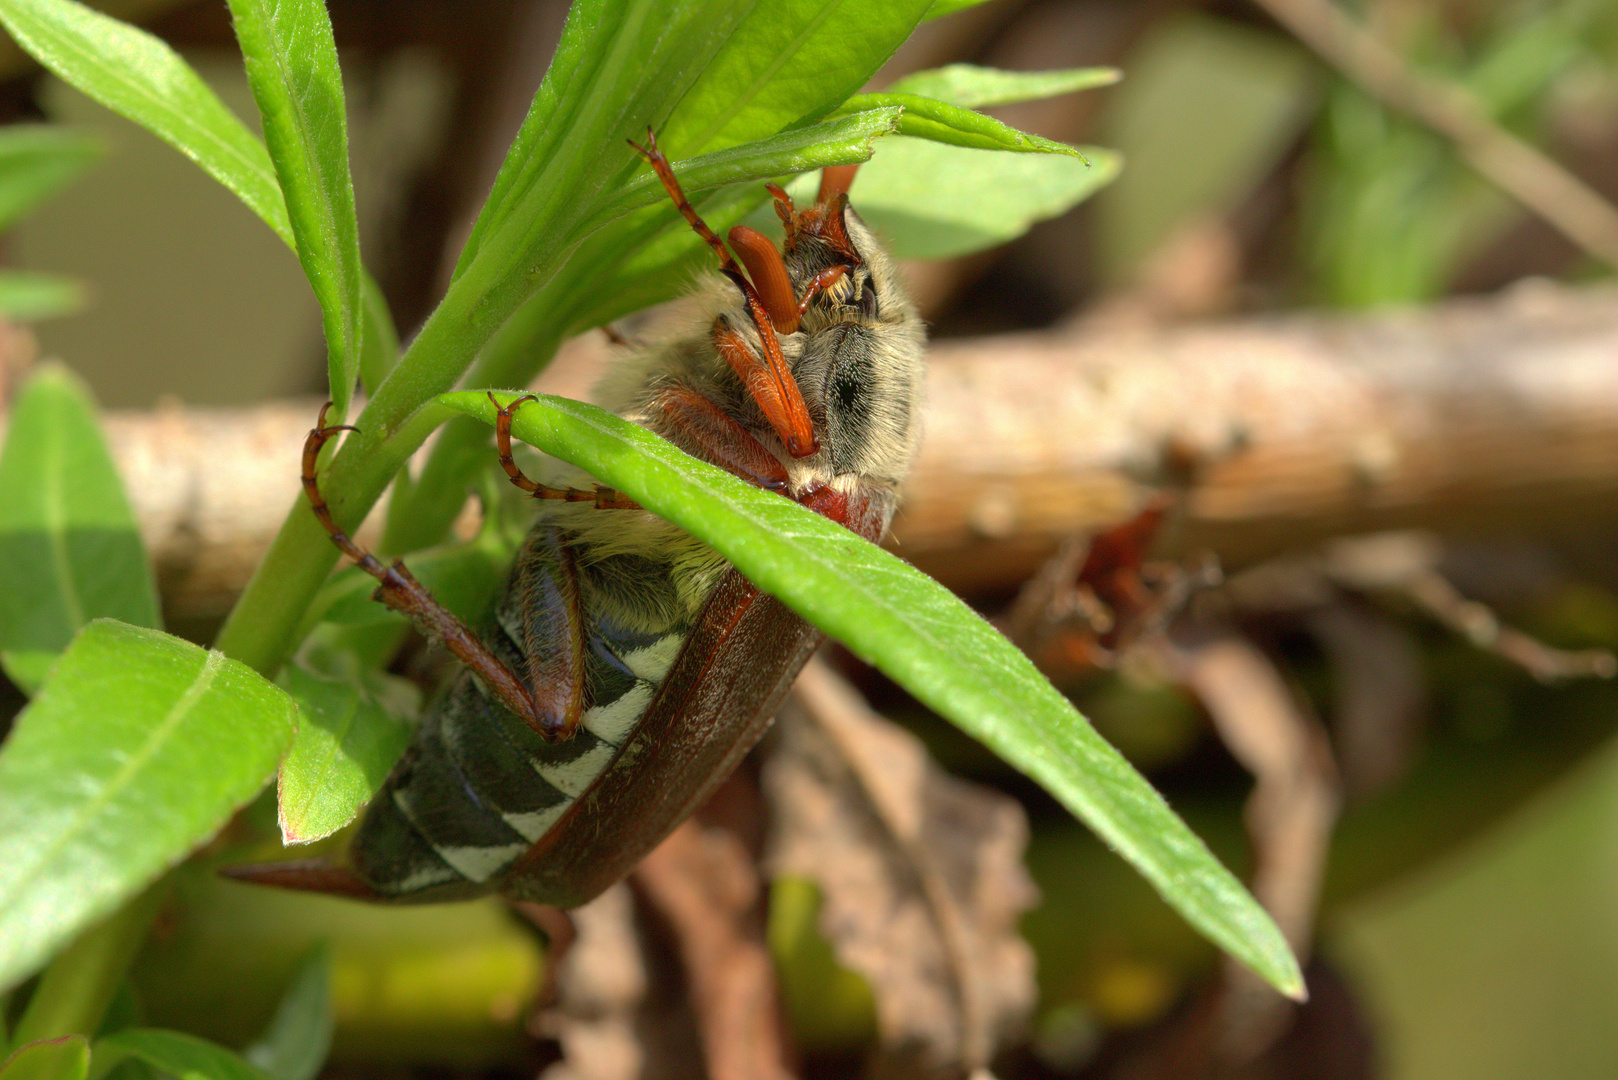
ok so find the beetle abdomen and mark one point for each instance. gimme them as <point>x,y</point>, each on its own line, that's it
<point>478,787</point>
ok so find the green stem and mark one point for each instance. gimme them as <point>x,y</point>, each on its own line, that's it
<point>517,354</point>
<point>396,421</point>
<point>260,629</point>
<point>75,990</point>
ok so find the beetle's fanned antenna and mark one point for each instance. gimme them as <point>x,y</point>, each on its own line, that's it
<point>769,276</point>
<point>768,378</point>
<point>835,181</point>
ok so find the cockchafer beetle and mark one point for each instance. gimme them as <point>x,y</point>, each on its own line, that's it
<point>627,667</point>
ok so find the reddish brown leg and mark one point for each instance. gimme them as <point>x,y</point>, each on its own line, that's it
<point>603,498</point>
<point>754,372</point>
<point>724,441</point>
<point>783,210</point>
<point>821,282</point>
<point>546,579</point>
<point>781,400</point>
<point>403,593</point>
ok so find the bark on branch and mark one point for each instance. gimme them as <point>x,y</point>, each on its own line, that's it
<point>1474,416</point>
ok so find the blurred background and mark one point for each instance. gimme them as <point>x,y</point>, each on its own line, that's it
<point>1344,327</point>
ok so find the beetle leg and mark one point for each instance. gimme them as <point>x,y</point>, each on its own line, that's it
<point>604,498</point>
<point>545,580</point>
<point>786,212</point>
<point>755,372</point>
<point>767,378</point>
<point>819,283</point>
<point>400,591</point>
<point>723,440</point>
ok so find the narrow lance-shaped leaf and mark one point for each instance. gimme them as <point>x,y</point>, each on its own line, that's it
<point>69,548</point>
<point>292,67</point>
<point>379,344</point>
<point>343,751</point>
<point>974,87</point>
<point>925,118</point>
<point>640,258</point>
<point>295,1045</point>
<point>619,65</point>
<point>990,197</point>
<point>137,76</point>
<point>847,140</point>
<point>789,64</point>
<point>96,801</point>
<point>37,160</point>
<point>929,642</point>
<point>177,1054</point>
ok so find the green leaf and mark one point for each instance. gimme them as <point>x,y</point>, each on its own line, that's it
<point>788,65</point>
<point>37,160</point>
<point>137,76</point>
<point>26,297</point>
<point>941,8</point>
<point>988,199</point>
<point>176,1053</point>
<point>379,344</point>
<point>925,639</point>
<point>137,749</point>
<point>295,1045</point>
<point>706,75</point>
<point>69,548</point>
<point>925,118</point>
<point>65,1058</point>
<point>847,140</point>
<point>76,992</point>
<point>781,68</point>
<point>344,748</point>
<point>972,87</point>
<point>621,65</point>
<point>618,65</point>
<point>292,67</point>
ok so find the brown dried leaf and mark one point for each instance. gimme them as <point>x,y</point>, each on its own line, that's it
<point>921,875</point>
<point>613,1017</point>
<point>1290,814</point>
<point>704,883</point>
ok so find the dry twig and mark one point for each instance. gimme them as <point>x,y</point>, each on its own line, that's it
<point>1285,432</point>
<point>1517,168</point>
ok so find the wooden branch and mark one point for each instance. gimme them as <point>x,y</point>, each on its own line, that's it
<point>1474,416</point>
<point>1490,415</point>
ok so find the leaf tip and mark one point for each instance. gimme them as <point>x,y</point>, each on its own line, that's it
<point>1293,986</point>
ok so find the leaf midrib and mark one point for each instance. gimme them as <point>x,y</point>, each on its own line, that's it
<point>213,662</point>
